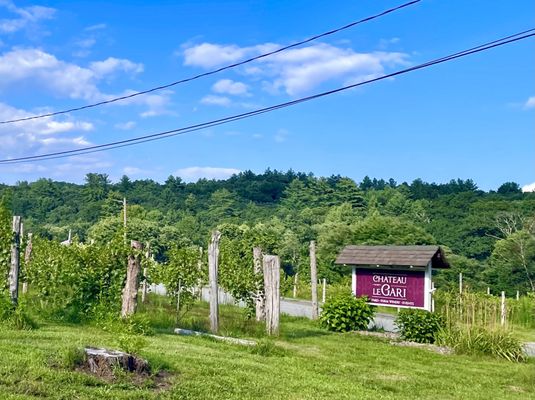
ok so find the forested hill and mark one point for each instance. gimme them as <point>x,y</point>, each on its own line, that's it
<point>480,228</point>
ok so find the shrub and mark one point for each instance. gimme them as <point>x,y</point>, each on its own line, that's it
<point>15,317</point>
<point>345,313</point>
<point>474,340</point>
<point>419,325</point>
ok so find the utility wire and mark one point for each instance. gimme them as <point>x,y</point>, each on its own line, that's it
<point>180,131</point>
<point>331,32</point>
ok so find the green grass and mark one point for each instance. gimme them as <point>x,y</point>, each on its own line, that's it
<point>305,362</point>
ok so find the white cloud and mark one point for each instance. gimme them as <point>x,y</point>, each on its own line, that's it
<point>299,70</point>
<point>216,100</point>
<point>530,103</point>
<point>112,64</point>
<point>133,171</point>
<point>61,78</point>
<point>126,126</point>
<point>281,136</point>
<point>228,86</point>
<point>192,174</point>
<point>70,80</point>
<point>529,188</point>
<point>95,27</point>
<point>38,135</point>
<point>25,16</point>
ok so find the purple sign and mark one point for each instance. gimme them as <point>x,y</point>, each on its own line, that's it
<point>392,288</point>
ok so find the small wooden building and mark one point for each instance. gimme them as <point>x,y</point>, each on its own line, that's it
<point>394,276</point>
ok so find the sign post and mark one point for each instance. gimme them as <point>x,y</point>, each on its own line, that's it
<point>394,276</point>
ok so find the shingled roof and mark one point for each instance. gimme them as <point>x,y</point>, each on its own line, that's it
<point>416,256</point>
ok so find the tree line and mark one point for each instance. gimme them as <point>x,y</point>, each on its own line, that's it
<point>488,235</point>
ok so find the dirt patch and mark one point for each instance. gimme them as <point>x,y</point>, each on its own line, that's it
<point>382,335</point>
<point>114,366</point>
<point>395,340</point>
<point>427,346</point>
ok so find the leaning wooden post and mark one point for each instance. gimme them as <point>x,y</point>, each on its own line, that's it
<point>15,262</point>
<point>213,255</point>
<point>314,279</point>
<point>131,286</point>
<point>27,258</point>
<point>260,296</point>
<point>503,311</point>
<point>272,292</point>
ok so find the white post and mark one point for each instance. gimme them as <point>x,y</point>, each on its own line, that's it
<point>488,290</point>
<point>27,258</point>
<point>324,290</point>
<point>124,218</point>
<point>460,282</point>
<point>258,271</point>
<point>432,296</point>
<point>427,286</point>
<point>518,295</point>
<point>354,281</point>
<point>503,313</point>
<point>314,279</point>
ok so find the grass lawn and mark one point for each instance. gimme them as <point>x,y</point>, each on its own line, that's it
<point>305,362</point>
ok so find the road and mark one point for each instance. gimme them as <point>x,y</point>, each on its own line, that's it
<point>303,308</point>
<point>292,307</point>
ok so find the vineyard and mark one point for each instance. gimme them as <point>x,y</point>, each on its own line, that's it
<point>78,295</point>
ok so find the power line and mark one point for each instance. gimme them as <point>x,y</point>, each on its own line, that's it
<point>192,78</point>
<point>191,128</point>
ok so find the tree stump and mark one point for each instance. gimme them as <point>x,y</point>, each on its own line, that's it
<point>103,362</point>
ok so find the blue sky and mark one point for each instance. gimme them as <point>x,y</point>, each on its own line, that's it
<point>470,118</point>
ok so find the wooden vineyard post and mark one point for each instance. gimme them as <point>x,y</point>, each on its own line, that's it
<point>27,258</point>
<point>131,286</point>
<point>213,255</point>
<point>258,271</point>
<point>15,262</point>
<point>314,279</point>
<point>503,311</point>
<point>272,292</point>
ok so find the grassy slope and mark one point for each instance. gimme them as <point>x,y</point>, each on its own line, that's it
<point>306,363</point>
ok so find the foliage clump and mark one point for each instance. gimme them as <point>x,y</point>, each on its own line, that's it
<point>419,325</point>
<point>477,340</point>
<point>345,313</point>
<point>15,317</point>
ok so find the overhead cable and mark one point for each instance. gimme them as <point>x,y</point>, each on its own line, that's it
<point>191,128</point>
<point>237,64</point>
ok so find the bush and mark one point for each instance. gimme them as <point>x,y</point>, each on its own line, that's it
<point>474,340</point>
<point>345,313</point>
<point>419,325</point>
<point>15,317</point>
